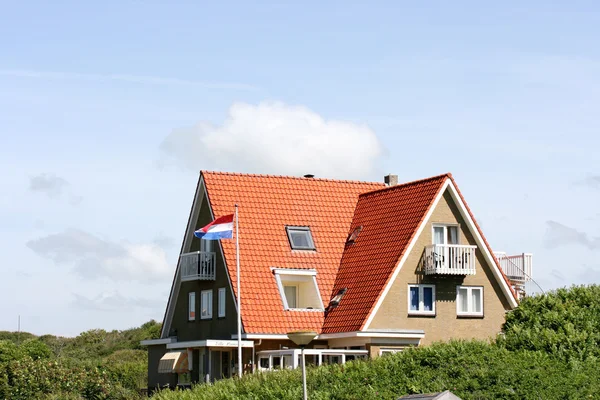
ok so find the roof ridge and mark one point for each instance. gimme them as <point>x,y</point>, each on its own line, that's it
<point>403,185</point>
<point>203,172</point>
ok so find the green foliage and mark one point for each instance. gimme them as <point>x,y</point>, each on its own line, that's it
<point>36,349</point>
<point>94,365</point>
<point>472,370</point>
<point>9,351</point>
<point>565,323</point>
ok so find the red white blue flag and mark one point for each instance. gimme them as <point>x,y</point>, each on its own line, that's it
<point>220,228</point>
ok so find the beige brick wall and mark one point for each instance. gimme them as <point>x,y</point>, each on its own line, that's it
<point>393,313</point>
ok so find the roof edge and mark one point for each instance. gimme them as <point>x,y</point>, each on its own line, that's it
<point>404,185</point>
<point>205,172</point>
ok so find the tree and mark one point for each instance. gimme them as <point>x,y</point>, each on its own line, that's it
<point>565,322</point>
<point>36,349</point>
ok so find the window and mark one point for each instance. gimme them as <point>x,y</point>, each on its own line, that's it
<point>184,379</point>
<point>206,304</point>
<point>469,300</point>
<point>298,289</point>
<point>445,234</point>
<point>291,295</point>
<point>222,302</point>
<point>300,238</point>
<point>421,299</point>
<point>192,306</point>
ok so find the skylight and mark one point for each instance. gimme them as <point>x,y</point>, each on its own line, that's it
<point>300,238</point>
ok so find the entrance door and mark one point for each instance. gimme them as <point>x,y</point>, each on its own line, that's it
<point>226,364</point>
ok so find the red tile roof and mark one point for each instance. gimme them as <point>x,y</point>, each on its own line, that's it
<point>266,205</point>
<point>390,219</point>
<point>389,216</point>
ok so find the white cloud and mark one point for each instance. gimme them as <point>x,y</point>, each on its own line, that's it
<point>93,258</point>
<point>49,184</point>
<point>558,234</point>
<point>113,300</point>
<point>273,137</point>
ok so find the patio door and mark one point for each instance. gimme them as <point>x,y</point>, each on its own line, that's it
<point>444,235</point>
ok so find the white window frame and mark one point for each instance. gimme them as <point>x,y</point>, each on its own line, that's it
<point>445,226</point>
<point>421,310</point>
<point>297,290</point>
<point>470,312</point>
<point>306,229</point>
<point>209,306</point>
<point>304,272</point>
<point>221,302</point>
<point>390,350</point>
<point>191,306</point>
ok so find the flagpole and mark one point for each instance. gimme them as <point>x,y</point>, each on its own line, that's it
<point>239,304</point>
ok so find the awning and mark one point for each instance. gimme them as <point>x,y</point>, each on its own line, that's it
<point>174,362</point>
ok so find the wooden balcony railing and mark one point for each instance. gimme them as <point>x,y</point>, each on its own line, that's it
<point>449,259</point>
<point>198,266</point>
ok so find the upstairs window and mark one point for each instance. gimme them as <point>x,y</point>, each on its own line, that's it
<point>445,234</point>
<point>469,301</point>
<point>206,304</point>
<point>421,299</point>
<point>221,306</point>
<point>300,238</point>
<point>191,306</point>
<point>298,289</point>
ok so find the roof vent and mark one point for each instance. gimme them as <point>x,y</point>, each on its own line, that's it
<point>390,180</point>
<point>309,176</point>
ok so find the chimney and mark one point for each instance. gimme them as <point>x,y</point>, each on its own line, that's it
<point>390,180</point>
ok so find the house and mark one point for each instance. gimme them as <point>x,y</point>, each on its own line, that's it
<point>371,267</point>
<point>446,395</point>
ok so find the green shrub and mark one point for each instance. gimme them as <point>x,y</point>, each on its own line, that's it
<point>36,349</point>
<point>472,370</point>
<point>565,323</point>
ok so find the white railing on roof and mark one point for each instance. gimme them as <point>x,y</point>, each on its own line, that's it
<point>198,265</point>
<point>517,268</point>
<point>449,259</point>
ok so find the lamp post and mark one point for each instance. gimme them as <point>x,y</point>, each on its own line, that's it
<point>302,338</point>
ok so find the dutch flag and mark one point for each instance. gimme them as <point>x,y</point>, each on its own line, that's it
<point>220,228</point>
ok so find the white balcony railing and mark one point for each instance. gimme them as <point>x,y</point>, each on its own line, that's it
<point>518,269</point>
<point>198,266</point>
<point>449,259</point>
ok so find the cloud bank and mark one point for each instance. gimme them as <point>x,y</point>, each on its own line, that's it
<point>273,137</point>
<point>558,235</point>
<point>113,300</point>
<point>94,258</point>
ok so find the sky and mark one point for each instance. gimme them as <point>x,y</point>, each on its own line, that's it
<point>109,110</point>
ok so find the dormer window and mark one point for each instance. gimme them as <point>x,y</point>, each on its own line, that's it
<point>300,238</point>
<point>298,289</point>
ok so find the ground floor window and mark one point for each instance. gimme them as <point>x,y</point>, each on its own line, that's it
<point>184,378</point>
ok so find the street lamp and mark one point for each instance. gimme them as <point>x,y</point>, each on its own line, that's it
<point>302,338</point>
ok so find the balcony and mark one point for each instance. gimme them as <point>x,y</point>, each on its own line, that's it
<point>449,259</point>
<point>198,265</point>
<point>518,268</point>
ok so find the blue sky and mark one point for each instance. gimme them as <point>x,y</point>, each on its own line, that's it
<point>108,111</point>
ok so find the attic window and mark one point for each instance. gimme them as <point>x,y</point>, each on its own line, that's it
<point>335,301</point>
<point>298,289</point>
<point>352,237</point>
<point>300,237</point>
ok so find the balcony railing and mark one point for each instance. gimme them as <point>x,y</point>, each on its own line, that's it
<point>449,259</point>
<point>518,268</point>
<point>198,266</point>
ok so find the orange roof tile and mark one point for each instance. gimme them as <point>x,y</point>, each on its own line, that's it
<point>389,218</point>
<point>327,206</point>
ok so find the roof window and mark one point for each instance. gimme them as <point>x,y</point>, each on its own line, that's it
<point>298,289</point>
<point>300,238</point>
<point>352,237</point>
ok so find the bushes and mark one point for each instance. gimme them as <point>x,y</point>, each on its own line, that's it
<point>472,370</point>
<point>565,323</point>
